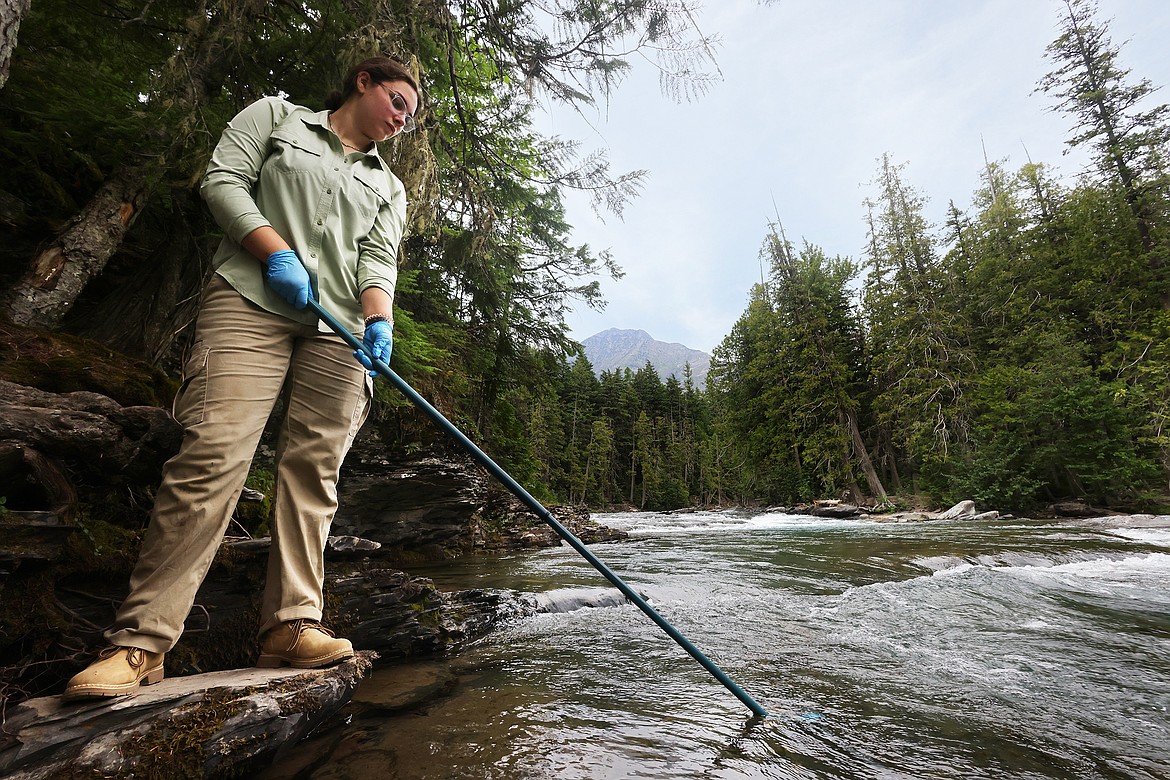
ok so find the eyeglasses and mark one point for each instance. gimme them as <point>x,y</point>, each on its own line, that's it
<point>401,106</point>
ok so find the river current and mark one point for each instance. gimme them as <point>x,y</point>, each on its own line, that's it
<point>1002,649</point>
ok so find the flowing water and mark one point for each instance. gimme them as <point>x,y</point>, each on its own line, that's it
<point>1005,649</point>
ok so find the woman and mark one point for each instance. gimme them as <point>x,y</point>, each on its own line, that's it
<point>308,208</point>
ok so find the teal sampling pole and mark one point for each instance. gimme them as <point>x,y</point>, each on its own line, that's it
<point>540,511</point>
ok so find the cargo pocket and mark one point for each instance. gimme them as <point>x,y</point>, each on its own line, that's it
<point>361,411</point>
<point>189,402</point>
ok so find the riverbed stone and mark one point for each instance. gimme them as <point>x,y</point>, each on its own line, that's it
<point>964,510</point>
<point>1073,509</point>
<point>508,524</point>
<point>834,510</point>
<point>900,517</point>
<point>404,687</point>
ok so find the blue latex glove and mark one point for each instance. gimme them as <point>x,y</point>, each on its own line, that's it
<point>378,341</point>
<point>288,278</point>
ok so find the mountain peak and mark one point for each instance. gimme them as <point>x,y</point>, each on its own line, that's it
<point>618,349</point>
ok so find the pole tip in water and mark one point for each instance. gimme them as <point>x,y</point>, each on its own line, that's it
<point>812,716</point>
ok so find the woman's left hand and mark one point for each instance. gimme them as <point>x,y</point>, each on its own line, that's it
<point>378,341</point>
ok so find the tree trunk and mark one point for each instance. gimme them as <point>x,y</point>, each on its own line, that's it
<point>871,475</point>
<point>60,272</point>
<point>47,291</point>
<point>12,12</point>
<point>891,462</point>
<point>633,470</point>
<point>588,466</point>
<point>146,315</point>
<point>645,493</point>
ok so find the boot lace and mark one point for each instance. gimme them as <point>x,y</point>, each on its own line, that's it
<point>300,626</point>
<point>135,656</point>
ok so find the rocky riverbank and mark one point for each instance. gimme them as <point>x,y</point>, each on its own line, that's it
<point>77,471</point>
<point>967,510</point>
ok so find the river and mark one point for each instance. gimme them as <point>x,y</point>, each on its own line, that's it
<point>1001,649</point>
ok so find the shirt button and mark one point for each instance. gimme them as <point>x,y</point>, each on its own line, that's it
<point>318,222</point>
<point>337,169</point>
<point>328,192</point>
<point>313,254</point>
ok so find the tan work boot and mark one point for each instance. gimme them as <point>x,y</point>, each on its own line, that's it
<point>117,672</point>
<point>302,644</point>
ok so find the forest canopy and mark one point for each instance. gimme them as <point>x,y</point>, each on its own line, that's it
<point>1015,354</point>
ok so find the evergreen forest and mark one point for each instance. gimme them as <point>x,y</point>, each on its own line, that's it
<point>1017,354</point>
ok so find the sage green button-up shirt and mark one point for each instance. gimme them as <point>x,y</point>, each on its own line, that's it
<point>278,164</point>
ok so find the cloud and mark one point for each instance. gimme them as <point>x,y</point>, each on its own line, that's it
<point>813,94</point>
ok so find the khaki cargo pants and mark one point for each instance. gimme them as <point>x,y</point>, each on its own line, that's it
<point>242,357</point>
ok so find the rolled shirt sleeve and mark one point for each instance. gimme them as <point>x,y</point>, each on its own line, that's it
<point>234,169</point>
<point>377,252</point>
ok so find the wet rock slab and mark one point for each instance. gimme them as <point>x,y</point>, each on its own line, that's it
<point>209,725</point>
<point>352,752</point>
<point>1126,521</point>
<point>405,687</point>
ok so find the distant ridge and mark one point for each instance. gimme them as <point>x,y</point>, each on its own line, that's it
<point>621,349</point>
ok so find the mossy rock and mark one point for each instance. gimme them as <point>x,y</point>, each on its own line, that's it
<point>61,363</point>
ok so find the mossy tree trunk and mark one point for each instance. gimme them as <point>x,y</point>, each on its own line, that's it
<point>12,12</point>
<point>145,309</point>
<point>58,274</point>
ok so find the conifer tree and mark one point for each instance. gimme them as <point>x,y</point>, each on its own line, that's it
<point>821,352</point>
<point>915,342</point>
<point>756,453</point>
<point>1129,137</point>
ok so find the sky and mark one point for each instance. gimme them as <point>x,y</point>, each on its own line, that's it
<point>813,93</point>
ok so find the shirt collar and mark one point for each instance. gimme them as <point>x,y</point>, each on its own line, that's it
<point>321,120</point>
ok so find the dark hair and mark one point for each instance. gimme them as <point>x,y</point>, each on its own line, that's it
<point>380,69</point>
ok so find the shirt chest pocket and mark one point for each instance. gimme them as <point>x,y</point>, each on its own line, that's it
<point>293,154</point>
<point>369,191</point>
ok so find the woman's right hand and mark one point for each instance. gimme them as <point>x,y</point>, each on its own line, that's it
<point>288,278</point>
